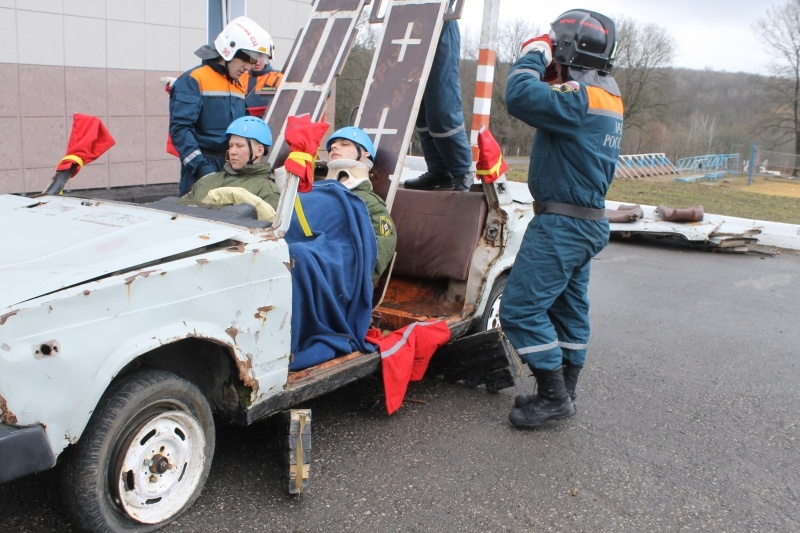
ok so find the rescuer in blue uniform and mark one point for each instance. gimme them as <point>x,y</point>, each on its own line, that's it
<point>562,87</point>
<point>203,101</point>
<point>440,122</point>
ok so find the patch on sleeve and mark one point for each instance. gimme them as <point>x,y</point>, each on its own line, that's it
<point>567,87</point>
<point>385,225</point>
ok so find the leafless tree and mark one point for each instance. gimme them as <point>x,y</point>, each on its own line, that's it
<point>779,30</point>
<point>644,55</point>
<point>701,133</point>
<point>512,34</point>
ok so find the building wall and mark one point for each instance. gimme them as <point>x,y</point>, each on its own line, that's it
<point>104,58</point>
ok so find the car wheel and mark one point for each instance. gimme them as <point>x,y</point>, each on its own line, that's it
<point>491,314</point>
<point>144,456</point>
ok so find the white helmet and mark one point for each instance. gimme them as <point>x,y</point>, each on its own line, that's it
<point>244,34</point>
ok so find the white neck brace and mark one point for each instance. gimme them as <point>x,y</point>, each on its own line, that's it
<point>349,172</point>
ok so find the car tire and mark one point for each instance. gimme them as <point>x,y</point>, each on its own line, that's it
<point>491,314</point>
<point>144,456</point>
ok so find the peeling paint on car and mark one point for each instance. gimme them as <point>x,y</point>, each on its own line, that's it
<point>232,332</point>
<point>143,274</point>
<point>5,317</point>
<point>261,312</point>
<point>6,416</point>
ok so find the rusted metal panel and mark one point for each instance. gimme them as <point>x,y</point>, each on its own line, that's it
<point>396,82</point>
<point>318,55</point>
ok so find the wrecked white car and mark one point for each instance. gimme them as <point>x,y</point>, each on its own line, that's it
<point>125,329</point>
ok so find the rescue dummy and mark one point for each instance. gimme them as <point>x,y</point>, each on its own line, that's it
<point>350,157</point>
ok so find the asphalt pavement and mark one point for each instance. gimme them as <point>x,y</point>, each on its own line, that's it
<point>688,419</point>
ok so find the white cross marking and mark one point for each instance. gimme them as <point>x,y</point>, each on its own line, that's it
<point>379,131</point>
<point>405,41</point>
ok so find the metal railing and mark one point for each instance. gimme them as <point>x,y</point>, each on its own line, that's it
<point>644,165</point>
<point>707,167</point>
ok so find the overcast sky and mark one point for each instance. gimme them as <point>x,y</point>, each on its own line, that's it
<point>714,34</point>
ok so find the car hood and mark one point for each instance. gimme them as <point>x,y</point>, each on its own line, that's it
<point>53,242</point>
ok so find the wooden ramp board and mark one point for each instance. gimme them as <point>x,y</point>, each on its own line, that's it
<point>396,82</point>
<point>317,57</point>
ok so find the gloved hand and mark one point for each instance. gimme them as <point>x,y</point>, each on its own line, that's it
<point>167,81</point>
<point>542,44</point>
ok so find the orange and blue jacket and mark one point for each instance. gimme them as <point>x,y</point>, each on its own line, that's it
<point>578,133</point>
<point>202,104</point>
<point>260,88</point>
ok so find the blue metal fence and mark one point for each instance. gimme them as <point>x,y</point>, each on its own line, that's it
<point>644,165</point>
<point>707,167</point>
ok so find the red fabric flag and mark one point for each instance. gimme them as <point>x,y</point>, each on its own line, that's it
<point>171,147</point>
<point>405,355</point>
<point>490,165</point>
<point>257,111</point>
<point>303,137</point>
<point>88,140</point>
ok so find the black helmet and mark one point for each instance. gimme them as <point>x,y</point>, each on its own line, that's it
<point>584,39</point>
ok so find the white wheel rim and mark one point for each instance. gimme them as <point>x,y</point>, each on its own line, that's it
<point>173,439</point>
<point>494,314</point>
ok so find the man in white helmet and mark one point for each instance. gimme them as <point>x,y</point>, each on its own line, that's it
<point>204,100</point>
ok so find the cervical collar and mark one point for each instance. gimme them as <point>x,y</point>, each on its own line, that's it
<point>349,172</point>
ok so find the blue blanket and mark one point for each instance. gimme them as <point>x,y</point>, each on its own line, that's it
<point>331,275</point>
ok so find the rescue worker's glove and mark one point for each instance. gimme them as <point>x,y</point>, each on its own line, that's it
<point>541,44</point>
<point>167,81</point>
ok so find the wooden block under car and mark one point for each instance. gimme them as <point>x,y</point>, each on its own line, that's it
<point>295,444</point>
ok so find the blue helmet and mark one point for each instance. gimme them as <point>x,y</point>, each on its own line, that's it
<point>251,128</point>
<point>357,135</point>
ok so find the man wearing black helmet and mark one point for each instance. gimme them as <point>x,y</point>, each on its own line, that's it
<point>561,85</point>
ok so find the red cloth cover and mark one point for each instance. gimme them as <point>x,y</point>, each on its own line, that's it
<point>303,137</point>
<point>490,165</point>
<point>88,140</point>
<point>171,147</point>
<point>405,355</point>
<point>257,111</point>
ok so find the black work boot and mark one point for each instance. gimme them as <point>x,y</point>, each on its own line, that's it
<point>430,180</point>
<point>463,182</point>
<point>552,402</point>
<point>570,372</point>
<point>571,379</point>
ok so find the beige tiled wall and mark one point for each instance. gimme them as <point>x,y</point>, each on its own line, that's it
<point>104,58</point>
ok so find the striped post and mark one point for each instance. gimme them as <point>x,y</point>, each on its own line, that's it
<point>482,107</point>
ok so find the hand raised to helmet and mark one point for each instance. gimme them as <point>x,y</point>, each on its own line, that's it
<point>541,44</point>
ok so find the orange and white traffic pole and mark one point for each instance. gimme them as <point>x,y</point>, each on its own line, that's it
<point>482,107</point>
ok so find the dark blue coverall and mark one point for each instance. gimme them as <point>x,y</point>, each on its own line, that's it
<point>545,307</point>
<point>440,122</point>
<point>202,104</point>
